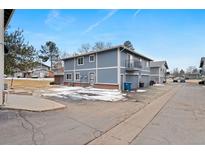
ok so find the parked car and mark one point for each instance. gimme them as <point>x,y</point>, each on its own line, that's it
<point>152,83</point>
<point>175,80</point>
<point>182,80</point>
<point>202,82</point>
<point>179,79</point>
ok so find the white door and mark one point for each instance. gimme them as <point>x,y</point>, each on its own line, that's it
<point>92,78</point>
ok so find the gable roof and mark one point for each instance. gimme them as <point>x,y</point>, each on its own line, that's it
<point>39,64</point>
<point>158,64</point>
<point>115,47</point>
<point>202,62</point>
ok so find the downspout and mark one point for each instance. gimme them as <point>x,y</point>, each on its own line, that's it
<point>74,72</point>
<point>118,68</point>
<point>1,55</point>
<point>96,65</point>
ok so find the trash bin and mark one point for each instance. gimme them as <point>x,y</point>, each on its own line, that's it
<point>141,85</point>
<point>127,86</point>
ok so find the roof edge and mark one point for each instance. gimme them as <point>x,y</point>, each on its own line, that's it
<point>114,47</point>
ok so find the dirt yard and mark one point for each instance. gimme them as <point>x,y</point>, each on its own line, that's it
<point>29,83</point>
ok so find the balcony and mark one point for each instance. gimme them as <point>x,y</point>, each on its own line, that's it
<point>132,65</point>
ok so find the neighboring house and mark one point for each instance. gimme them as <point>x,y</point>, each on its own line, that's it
<point>158,70</point>
<point>59,76</point>
<point>195,75</point>
<point>202,66</point>
<point>108,68</point>
<point>39,71</point>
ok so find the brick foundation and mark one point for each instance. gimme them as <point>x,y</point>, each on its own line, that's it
<point>106,86</point>
<point>101,86</point>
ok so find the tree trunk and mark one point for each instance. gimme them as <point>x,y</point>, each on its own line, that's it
<point>12,80</point>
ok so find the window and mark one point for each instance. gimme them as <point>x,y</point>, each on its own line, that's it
<point>69,76</point>
<point>80,60</point>
<point>91,58</point>
<point>77,76</point>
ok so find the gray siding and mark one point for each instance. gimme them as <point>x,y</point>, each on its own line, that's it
<point>69,64</point>
<point>154,70</point>
<point>107,75</point>
<point>123,58</point>
<point>145,79</point>
<point>122,70</point>
<point>107,58</point>
<point>134,79</point>
<point>86,64</point>
<point>84,75</point>
<point>65,76</point>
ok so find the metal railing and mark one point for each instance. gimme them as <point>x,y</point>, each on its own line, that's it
<point>132,64</point>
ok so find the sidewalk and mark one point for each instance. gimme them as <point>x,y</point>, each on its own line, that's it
<point>30,103</point>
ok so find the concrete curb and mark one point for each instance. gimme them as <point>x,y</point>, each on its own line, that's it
<point>127,131</point>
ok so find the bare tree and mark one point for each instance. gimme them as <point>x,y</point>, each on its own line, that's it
<point>98,46</point>
<point>175,72</point>
<point>84,48</point>
<point>190,69</point>
<point>108,45</point>
<point>101,45</point>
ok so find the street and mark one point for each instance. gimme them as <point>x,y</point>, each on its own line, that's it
<point>180,120</point>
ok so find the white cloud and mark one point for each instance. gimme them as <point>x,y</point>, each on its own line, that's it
<point>57,21</point>
<point>109,15</point>
<point>137,12</point>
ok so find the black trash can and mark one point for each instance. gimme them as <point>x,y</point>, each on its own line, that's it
<point>141,85</point>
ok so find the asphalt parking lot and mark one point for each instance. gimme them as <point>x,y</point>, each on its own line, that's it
<point>79,123</point>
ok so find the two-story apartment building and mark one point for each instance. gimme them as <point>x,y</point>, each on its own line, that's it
<point>202,66</point>
<point>108,68</point>
<point>158,70</point>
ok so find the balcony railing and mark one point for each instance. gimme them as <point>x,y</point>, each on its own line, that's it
<point>133,64</point>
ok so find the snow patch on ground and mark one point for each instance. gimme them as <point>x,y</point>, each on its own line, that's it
<point>141,91</point>
<point>88,93</point>
<point>158,85</point>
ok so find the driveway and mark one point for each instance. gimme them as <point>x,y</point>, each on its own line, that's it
<point>181,121</point>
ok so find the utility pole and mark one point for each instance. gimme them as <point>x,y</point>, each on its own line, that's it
<point>1,55</point>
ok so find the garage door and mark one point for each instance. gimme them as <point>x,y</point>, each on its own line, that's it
<point>146,80</point>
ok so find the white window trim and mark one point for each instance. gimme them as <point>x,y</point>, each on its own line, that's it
<point>79,76</point>
<point>93,58</point>
<point>67,76</point>
<point>79,58</point>
<point>89,76</point>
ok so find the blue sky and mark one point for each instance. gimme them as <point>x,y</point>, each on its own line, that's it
<point>177,36</point>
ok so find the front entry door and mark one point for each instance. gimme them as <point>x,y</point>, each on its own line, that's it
<point>92,78</point>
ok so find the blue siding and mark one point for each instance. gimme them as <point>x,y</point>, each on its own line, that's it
<point>86,64</point>
<point>65,76</point>
<point>133,79</point>
<point>69,64</point>
<point>107,58</point>
<point>84,75</point>
<point>107,75</point>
